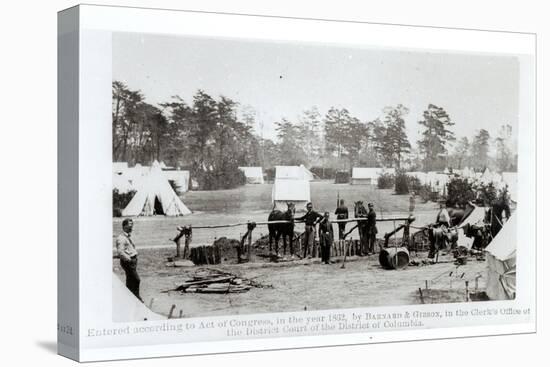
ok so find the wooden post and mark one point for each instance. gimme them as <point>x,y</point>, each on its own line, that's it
<point>344,260</point>
<point>250,244</point>
<point>188,237</point>
<point>171,311</point>
<point>467,296</point>
<point>187,232</point>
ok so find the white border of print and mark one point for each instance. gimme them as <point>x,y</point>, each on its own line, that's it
<point>97,25</point>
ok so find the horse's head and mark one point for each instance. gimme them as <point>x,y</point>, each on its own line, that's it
<point>359,208</point>
<point>291,209</point>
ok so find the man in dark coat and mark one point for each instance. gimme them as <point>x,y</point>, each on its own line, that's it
<point>341,212</point>
<point>310,218</point>
<point>326,237</point>
<point>501,206</point>
<point>362,227</point>
<point>371,229</point>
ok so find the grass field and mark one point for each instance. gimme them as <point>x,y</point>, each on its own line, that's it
<point>253,202</point>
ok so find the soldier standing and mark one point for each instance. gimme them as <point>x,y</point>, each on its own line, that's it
<point>311,218</point>
<point>412,202</point>
<point>362,227</point>
<point>326,237</point>
<point>371,229</point>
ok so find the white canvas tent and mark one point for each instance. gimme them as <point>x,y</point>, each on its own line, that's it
<point>126,307</point>
<point>290,191</point>
<point>293,172</point>
<point>120,167</point>
<point>154,195</point>
<point>475,217</point>
<point>254,175</point>
<point>180,178</point>
<point>501,263</point>
<point>511,179</point>
<point>121,183</point>
<point>368,175</point>
<point>135,173</point>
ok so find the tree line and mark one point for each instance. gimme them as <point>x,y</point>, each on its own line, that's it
<point>214,136</point>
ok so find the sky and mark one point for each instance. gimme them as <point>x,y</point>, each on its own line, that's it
<point>281,79</point>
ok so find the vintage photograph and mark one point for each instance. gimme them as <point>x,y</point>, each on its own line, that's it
<point>261,176</point>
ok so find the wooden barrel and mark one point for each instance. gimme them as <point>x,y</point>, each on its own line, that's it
<point>394,257</point>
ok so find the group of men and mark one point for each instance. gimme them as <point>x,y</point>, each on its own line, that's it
<point>128,254</point>
<point>367,229</point>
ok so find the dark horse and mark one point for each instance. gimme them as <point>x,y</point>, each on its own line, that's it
<point>284,229</point>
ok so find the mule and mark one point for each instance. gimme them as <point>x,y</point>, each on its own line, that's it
<point>276,230</point>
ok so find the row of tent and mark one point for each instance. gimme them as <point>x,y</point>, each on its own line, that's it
<point>368,175</point>
<point>124,177</point>
<point>255,175</point>
<point>439,180</point>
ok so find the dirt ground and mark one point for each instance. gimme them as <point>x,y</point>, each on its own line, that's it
<point>292,286</point>
<point>305,284</point>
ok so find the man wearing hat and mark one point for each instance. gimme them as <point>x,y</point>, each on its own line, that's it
<point>371,229</point>
<point>326,237</point>
<point>440,228</point>
<point>310,218</point>
<point>128,257</point>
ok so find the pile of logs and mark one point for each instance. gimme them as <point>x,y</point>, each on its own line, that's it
<point>205,255</point>
<point>214,281</point>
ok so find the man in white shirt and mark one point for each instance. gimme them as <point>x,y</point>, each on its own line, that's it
<point>128,257</point>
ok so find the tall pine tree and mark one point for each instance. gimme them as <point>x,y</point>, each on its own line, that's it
<point>435,137</point>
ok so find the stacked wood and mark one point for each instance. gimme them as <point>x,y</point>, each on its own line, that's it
<point>221,251</point>
<point>214,281</point>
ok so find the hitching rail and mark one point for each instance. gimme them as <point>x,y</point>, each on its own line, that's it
<point>298,221</point>
<point>186,231</point>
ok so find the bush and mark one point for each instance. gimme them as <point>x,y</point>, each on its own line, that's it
<point>487,194</point>
<point>386,181</point>
<point>401,183</point>
<point>220,179</point>
<point>324,173</point>
<point>459,192</point>
<point>414,184</point>
<point>342,177</point>
<point>269,174</point>
<point>120,201</point>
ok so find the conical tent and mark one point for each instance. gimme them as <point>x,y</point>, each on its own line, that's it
<point>154,195</point>
<point>501,263</point>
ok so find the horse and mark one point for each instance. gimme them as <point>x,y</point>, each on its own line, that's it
<point>284,229</point>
